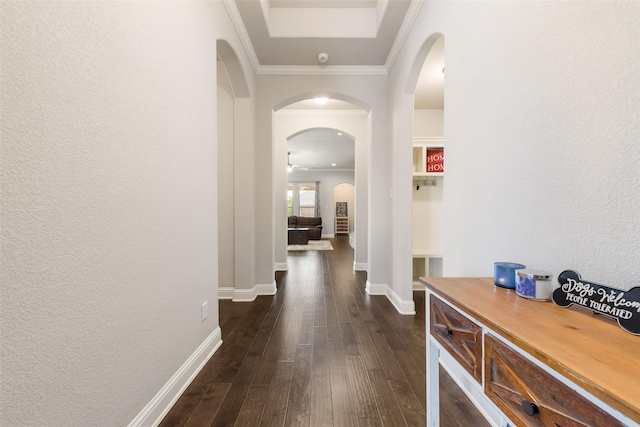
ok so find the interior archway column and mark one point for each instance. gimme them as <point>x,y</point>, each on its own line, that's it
<point>244,202</point>
<point>402,245</point>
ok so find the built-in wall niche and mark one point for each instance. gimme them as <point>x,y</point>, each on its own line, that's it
<point>428,156</point>
<point>428,163</point>
<point>426,265</point>
<point>428,182</point>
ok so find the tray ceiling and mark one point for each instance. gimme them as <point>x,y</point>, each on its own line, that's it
<point>361,37</point>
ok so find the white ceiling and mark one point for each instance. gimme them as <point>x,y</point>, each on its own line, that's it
<point>322,149</point>
<point>361,37</point>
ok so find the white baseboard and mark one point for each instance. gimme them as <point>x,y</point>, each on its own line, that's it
<point>328,236</point>
<point>225,293</point>
<point>281,266</point>
<point>153,413</point>
<point>269,289</point>
<point>360,266</point>
<point>248,295</point>
<point>376,288</point>
<point>244,295</point>
<point>403,306</point>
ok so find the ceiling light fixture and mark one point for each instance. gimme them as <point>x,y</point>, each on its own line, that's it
<point>333,164</point>
<point>321,100</point>
<point>323,57</point>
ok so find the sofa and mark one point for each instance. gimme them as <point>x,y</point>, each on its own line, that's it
<point>314,224</point>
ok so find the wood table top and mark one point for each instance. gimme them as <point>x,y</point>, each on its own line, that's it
<point>590,350</point>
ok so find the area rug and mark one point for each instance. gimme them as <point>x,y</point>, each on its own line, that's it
<point>313,245</point>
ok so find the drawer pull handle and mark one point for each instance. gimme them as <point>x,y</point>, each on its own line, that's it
<point>530,408</point>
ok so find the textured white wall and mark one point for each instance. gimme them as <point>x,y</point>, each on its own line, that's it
<point>541,134</point>
<point>108,204</point>
<point>427,218</point>
<point>226,181</point>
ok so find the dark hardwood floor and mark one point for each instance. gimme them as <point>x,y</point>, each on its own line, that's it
<point>321,352</point>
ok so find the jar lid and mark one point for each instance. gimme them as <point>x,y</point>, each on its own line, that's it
<point>534,274</point>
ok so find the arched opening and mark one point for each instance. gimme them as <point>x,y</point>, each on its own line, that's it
<point>297,127</point>
<point>319,159</point>
<point>234,70</point>
<point>225,165</point>
<point>428,161</point>
<point>234,173</point>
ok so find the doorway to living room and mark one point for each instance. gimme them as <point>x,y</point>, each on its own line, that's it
<point>322,145</point>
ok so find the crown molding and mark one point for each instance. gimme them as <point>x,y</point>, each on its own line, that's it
<point>236,19</point>
<point>403,33</point>
<point>329,70</point>
<point>320,113</point>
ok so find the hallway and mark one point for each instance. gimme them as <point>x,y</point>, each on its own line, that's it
<point>319,352</point>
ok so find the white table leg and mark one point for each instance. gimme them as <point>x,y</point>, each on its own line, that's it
<point>433,384</point>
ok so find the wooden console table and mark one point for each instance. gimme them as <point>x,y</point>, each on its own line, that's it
<point>529,363</point>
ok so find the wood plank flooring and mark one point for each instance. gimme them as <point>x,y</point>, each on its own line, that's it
<point>321,352</point>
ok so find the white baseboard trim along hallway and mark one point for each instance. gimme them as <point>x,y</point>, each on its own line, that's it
<point>153,413</point>
<point>248,295</point>
<point>403,306</point>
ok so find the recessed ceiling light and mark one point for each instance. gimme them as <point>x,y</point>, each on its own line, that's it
<point>321,101</point>
<point>339,133</point>
<point>333,164</point>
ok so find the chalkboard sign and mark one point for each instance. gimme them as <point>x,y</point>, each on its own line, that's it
<point>341,209</point>
<point>621,305</point>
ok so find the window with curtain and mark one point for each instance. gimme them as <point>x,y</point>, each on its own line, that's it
<point>307,192</point>
<point>303,199</point>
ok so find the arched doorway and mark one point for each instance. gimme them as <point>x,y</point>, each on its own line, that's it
<point>235,240</point>
<point>424,103</point>
<point>428,170</point>
<point>296,118</point>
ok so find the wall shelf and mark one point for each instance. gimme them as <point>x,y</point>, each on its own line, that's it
<point>426,265</point>
<point>428,156</point>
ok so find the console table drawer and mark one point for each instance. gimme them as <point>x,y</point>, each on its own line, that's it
<point>461,337</point>
<point>529,396</point>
